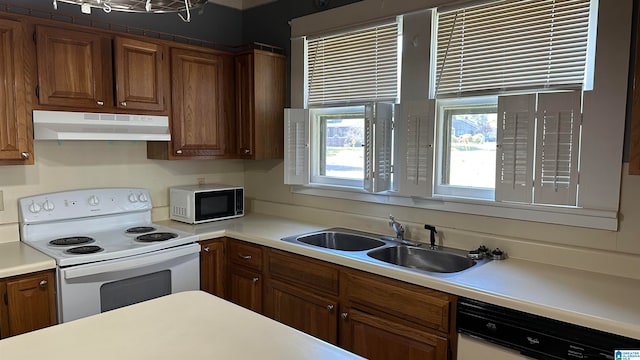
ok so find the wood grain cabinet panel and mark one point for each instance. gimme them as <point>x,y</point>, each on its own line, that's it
<point>202,92</point>
<point>260,101</point>
<point>140,74</point>
<point>307,312</point>
<point>377,338</point>
<point>213,266</point>
<point>16,131</point>
<point>245,288</point>
<point>71,68</point>
<point>29,303</point>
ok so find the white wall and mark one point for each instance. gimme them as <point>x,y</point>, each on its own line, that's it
<point>84,164</point>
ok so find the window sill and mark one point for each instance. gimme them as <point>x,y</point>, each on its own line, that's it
<point>587,218</point>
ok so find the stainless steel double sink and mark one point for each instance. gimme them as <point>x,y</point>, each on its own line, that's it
<point>380,249</point>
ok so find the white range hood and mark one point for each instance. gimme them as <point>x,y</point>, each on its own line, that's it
<point>65,125</point>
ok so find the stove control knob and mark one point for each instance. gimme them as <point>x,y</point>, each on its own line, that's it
<point>143,198</point>
<point>48,205</point>
<point>34,208</point>
<point>133,198</point>
<point>94,200</point>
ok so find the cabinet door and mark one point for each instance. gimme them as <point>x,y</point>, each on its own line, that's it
<point>312,314</point>
<point>202,99</point>
<point>212,267</point>
<point>16,143</point>
<point>245,288</point>
<point>260,101</point>
<point>30,302</point>
<point>140,75</point>
<point>380,339</point>
<point>73,68</point>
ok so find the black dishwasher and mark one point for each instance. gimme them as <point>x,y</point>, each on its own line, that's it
<point>536,336</point>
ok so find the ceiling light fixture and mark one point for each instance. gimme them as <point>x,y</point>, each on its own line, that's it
<point>138,6</point>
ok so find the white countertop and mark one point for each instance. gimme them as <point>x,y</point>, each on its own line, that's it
<point>17,258</point>
<point>187,325</point>
<point>590,299</point>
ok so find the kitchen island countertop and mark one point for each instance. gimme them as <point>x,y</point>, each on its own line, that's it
<point>186,325</point>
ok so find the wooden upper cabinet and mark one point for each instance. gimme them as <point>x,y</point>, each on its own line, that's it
<point>140,72</point>
<point>16,132</point>
<point>260,101</point>
<point>73,68</point>
<point>202,106</point>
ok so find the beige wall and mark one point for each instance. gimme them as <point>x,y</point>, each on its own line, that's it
<point>83,164</point>
<point>596,250</point>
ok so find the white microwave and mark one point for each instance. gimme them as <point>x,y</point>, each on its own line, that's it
<point>197,204</point>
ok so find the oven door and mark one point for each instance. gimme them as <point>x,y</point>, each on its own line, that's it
<point>90,289</point>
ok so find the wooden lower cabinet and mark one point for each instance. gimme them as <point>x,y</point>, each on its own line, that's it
<point>370,315</point>
<point>375,337</point>
<point>212,266</point>
<point>28,303</point>
<point>245,288</point>
<point>302,310</point>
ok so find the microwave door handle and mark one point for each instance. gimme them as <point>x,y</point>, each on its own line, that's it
<point>126,264</point>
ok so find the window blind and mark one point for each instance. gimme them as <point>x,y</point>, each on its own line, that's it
<point>512,45</point>
<point>354,66</point>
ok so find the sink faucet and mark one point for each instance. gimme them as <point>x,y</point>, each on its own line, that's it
<point>397,227</point>
<point>432,236</point>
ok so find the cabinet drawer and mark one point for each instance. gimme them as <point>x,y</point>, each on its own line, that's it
<point>245,254</point>
<point>311,274</point>
<point>412,303</point>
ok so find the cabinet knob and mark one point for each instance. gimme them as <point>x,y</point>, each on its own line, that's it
<point>329,308</point>
<point>246,151</point>
<point>344,315</point>
<point>255,279</point>
<point>206,249</point>
<point>123,103</point>
<point>179,152</point>
<point>43,283</point>
<point>24,155</point>
<point>244,257</point>
<point>100,102</point>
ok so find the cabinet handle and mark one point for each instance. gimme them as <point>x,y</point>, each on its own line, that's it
<point>100,102</point>
<point>206,249</point>
<point>344,315</point>
<point>246,151</point>
<point>244,257</point>
<point>24,155</point>
<point>43,283</point>
<point>255,279</point>
<point>179,152</point>
<point>123,103</point>
<point>329,308</point>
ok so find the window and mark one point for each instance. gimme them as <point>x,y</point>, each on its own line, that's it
<point>501,48</point>
<point>352,82</point>
<point>501,108</point>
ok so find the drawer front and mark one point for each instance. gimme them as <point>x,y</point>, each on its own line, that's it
<point>412,303</point>
<point>245,254</point>
<point>309,273</point>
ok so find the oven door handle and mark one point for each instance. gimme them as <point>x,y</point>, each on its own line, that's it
<point>131,263</point>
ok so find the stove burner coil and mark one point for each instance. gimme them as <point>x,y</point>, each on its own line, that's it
<point>140,229</point>
<point>80,250</point>
<point>72,240</point>
<point>159,236</point>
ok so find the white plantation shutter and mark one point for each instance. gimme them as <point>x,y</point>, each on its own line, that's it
<point>557,148</point>
<point>515,152</point>
<point>356,66</point>
<point>417,138</point>
<point>296,155</point>
<point>511,45</point>
<point>378,140</point>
